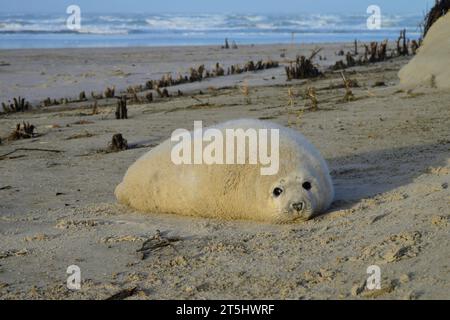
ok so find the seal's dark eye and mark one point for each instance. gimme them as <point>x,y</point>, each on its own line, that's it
<point>277,191</point>
<point>306,185</point>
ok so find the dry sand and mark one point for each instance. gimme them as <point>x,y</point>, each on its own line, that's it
<point>388,150</point>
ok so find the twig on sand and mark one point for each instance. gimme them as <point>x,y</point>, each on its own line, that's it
<point>348,92</point>
<point>154,243</point>
<point>123,294</point>
<point>24,131</point>
<point>121,109</point>
<point>197,99</point>
<point>311,94</point>
<point>302,67</point>
<point>290,105</point>
<point>246,92</point>
<point>314,52</point>
<point>118,143</point>
<point>29,149</point>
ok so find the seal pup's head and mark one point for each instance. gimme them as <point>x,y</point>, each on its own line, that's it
<point>303,188</point>
<point>300,197</point>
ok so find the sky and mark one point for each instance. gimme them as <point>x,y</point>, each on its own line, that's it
<point>216,6</point>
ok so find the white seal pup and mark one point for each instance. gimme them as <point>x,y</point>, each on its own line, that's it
<point>300,188</point>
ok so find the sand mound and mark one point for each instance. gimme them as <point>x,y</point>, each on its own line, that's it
<point>431,65</point>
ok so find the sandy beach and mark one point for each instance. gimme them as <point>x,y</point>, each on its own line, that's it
<point>388,151</point>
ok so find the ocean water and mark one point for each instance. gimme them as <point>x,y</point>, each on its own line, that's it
<point>122,30</point>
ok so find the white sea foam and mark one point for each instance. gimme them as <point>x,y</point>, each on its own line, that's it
<point>164,29</point>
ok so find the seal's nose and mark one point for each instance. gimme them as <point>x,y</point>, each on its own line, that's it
<point>298,206</point>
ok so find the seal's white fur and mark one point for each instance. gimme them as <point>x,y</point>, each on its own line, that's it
<point>153,183</point>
